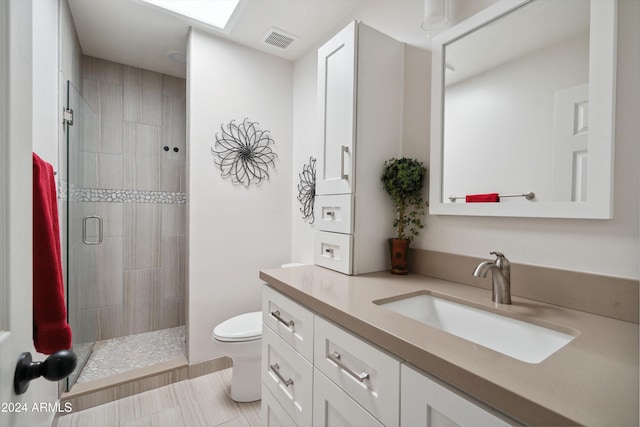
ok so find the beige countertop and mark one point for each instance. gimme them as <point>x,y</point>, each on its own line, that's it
<point>593,380</point>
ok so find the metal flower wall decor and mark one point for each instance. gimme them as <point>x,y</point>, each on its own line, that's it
<point>244,152</point>
<point>307,190</point>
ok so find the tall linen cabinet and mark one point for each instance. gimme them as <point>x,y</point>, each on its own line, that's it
<point>360,100</point>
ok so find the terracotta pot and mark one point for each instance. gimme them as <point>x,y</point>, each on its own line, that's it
<point>398,249</point>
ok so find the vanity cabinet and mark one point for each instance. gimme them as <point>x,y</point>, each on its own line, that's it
<point>428,402</point>
<point>360,99</point>
<point>287,360</point>
<point>342,381</point>
<point>316,373</point>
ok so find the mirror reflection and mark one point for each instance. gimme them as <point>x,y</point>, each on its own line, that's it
<point>515,105</point>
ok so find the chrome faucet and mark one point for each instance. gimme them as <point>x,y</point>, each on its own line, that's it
<point>501,278</point>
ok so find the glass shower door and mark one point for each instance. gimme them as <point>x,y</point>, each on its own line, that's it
<point>84,227</point>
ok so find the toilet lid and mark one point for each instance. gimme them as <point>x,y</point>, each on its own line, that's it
<point>245,327</point>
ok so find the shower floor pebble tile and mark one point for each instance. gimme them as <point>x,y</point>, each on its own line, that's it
<point>123,354</point>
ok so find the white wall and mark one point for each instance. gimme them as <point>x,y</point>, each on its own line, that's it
<point>45,80</point>
<point>608,247</point>
<point>233,231</point>
<point>306,137</point>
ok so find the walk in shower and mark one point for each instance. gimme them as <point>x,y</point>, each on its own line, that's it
<point>124,181</point>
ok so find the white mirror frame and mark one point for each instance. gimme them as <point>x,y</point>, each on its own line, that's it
<point>602,87</point>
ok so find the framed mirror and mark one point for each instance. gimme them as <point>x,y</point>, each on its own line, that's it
<point>523,103</point>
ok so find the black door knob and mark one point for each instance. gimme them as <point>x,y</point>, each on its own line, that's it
<point>55,367</point>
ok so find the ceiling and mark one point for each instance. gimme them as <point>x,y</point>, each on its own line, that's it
<point>136,34</point>
<point>532,27</point>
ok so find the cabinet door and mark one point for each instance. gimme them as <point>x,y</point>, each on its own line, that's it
<point>336,107</point>
<point>273,414</point>
<point>425,402</point>
<point>333,408</point>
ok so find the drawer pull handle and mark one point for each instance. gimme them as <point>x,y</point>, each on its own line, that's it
<point>276,370</point>
<point>335,358</point>
<point>287,323</point>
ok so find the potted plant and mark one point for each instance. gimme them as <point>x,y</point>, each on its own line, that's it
<point>402,179</point>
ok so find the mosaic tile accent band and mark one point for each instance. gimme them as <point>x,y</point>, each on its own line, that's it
<point>77,194</point>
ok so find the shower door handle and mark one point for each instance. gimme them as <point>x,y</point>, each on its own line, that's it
<point>84,230</point>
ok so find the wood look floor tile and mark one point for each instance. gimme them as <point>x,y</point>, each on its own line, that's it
<point>236,422</point>
<point>203,401</point>
<point>147,403</point>
<point>99,416</point>
<point>209,402</point>
<point>171,417</point>
<point>252,413</point>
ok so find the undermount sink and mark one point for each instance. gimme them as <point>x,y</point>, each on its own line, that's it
<point>515,338</point>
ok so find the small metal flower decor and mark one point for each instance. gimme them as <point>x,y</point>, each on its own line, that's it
<point>307,190</point>
<point>244,152</point>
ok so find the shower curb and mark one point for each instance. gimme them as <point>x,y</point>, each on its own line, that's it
<point>98,392</point>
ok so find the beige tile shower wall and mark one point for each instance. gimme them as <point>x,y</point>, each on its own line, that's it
<point>140,268</point>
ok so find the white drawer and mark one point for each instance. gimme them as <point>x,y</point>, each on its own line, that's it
<point>289,376</point>
<point>273,414</point>
<point>290,320</point>
<point>343,357</point>
<point>333,250</point>
<point>332,407</point>
<point>334,213</point>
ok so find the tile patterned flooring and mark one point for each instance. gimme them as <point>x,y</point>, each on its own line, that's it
<point>203,401</point>
<point>122,354</point>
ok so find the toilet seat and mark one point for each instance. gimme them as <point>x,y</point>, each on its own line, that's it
<point>245,327</point>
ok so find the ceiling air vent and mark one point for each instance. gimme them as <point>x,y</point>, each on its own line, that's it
<point>278,38</point>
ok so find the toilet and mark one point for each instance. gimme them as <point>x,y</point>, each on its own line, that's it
<point>240,338</point>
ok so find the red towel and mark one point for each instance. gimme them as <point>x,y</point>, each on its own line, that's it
<point>51,332</point>
<point>489,197</point>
